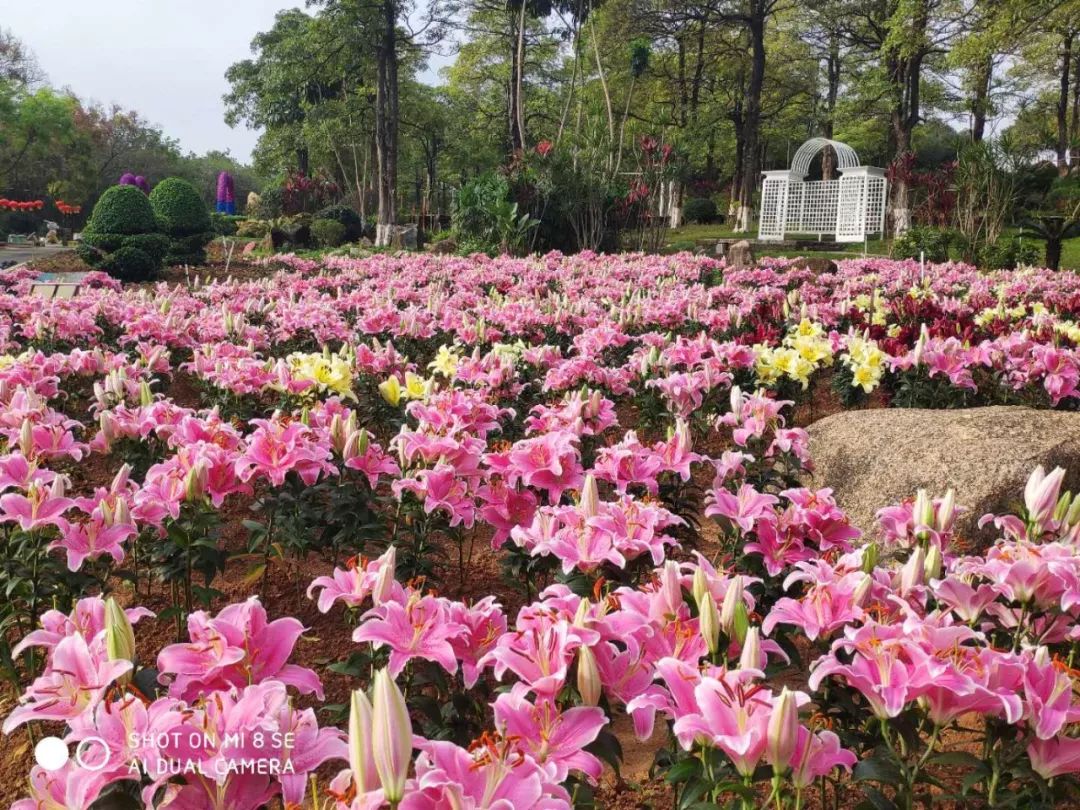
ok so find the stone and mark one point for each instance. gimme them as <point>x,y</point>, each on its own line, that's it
<point>875,458</point>
<point>443,247</point>
<point>740,255</point>
<point>816,264</point>
<point>403,237</point>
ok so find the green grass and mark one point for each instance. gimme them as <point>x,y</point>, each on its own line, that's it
<point>686,236</point>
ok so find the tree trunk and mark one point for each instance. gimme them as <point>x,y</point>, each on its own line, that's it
<point>832,70</point>
<point>386,124</point>
<point>980,100</point>
<point>905,74</point>
<point>752,114</point>
<point>1075,126</point>
<point>1063,105</point>
<point>303,160</point>
<point>1053,254</point>
<point>516,96</point>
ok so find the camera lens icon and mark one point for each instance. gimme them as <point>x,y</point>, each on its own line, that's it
<point>90,746</point>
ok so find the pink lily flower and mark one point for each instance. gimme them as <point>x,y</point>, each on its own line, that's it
<point>550,735</point>
<point>742,508</point>
<point>421,628</point>
<point>75,681</point>
<point>39,507</point>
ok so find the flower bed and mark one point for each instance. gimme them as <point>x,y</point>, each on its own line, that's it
<point>194,476</point>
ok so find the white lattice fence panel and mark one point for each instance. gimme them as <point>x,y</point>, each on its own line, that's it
<point>796,201</point>
<point>875,204</point>
<point>851,208</point>
<point>773,208</point>
<point>819,215</point>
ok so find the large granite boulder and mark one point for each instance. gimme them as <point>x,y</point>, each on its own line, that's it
<point>874,458</point>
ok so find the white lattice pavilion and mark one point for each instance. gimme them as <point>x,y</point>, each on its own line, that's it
<point>849,208</point>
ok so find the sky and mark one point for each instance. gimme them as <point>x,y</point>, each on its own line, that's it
<point>164,58</point>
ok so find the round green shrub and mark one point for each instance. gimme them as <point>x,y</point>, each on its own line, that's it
<point>179,208</point>
<point>328,233</point>
<point>130,264</point>
<point>700,210</point>
<point>354,226</point>
<point>124,210</point>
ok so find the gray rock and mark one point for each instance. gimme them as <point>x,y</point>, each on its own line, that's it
<point>443,247</point>
<point>740,255</point>
<point>875,458</point>
<point>403,237</point>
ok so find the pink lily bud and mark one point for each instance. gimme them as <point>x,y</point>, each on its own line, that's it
<point>750,655</point>
<point>337,433</point>
<point>862,590</point>
<point>384,583</point>
<point>108,428</point>
<point>700,584</point>
<point>589,504</point>
<point>920,345</point>
<point>709,621</point>
<point>732,597</point>
<point>195,483</point>
<point>26,438</point>
<point>119,636</point>
<point>361,760</point>
<point>1041,494</point>
<point>391,732</point>
<point>911,575</point>
<point>923,510</point>
<point>933,564</point>
<point>946,512</point>
<point>120,480</point>
<point>122,513</point>
<point>588,677</point>
<point>782,734</point>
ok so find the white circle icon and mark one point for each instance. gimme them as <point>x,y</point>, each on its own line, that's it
<point>51,753</point>
<point>80,752</point>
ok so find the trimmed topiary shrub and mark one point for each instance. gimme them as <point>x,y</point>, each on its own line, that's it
<point>701,210</point>
<point>123,209</point>
<point>122,236</point>
<point>184,217</point>
<point>354,226</point>
<point>328,233</point>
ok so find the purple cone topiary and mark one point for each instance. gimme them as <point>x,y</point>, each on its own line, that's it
<point>226,194</point>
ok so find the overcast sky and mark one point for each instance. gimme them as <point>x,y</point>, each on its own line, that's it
<point>164,58</point>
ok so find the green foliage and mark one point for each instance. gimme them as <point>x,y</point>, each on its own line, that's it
<point>328,233</point>
<point>182,215</point>
<point>486,220</point>
<point>179,208</point>
<point>253,228</point>
<point>225,224</point>
<point>1007,253</point>
<point>123,210</point>
<point>354,226</point>
<point>122,237</point>
<point>920,240</point>
<point>700,210</point>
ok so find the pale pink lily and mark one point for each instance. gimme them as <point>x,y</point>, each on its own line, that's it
<point>75,681</point>
<point>549,735</point>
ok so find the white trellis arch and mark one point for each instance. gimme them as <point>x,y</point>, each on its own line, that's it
<point>849,208</point>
